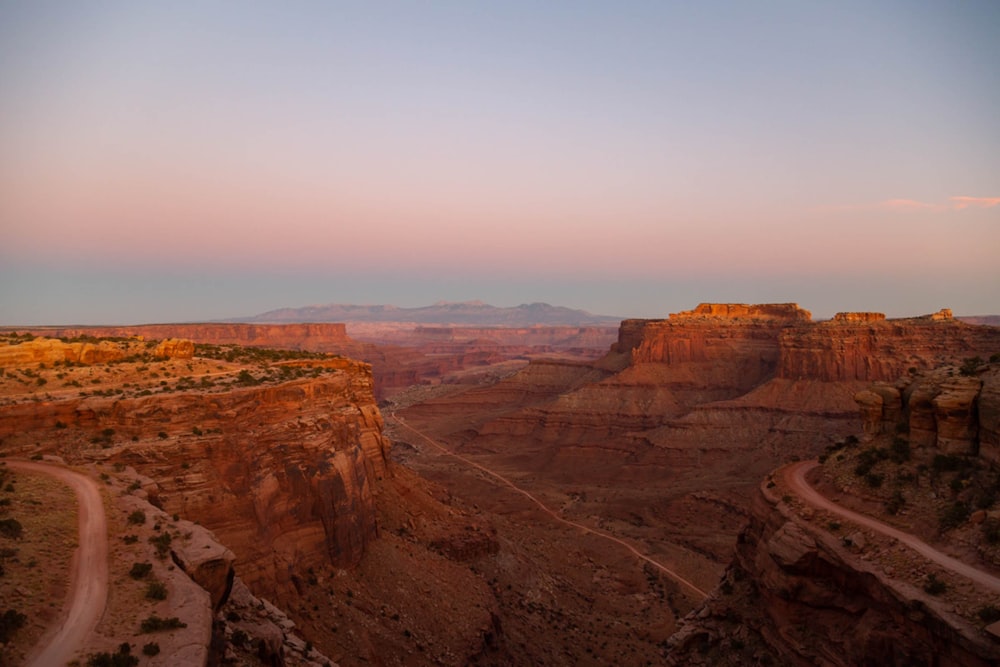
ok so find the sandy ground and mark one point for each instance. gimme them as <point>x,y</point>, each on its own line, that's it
<point>88,571</point>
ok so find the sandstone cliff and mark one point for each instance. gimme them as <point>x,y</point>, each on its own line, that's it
<point>795,594</point>
<point>865,347</point>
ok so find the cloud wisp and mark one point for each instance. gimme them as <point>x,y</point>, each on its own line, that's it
<point>959,203</point>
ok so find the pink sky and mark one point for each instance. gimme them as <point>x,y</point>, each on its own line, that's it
<point>675,155</point>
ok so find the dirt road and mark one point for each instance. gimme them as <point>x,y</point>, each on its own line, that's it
<point>795,477</point>
<point>699,593</point>
<point>88,571</point>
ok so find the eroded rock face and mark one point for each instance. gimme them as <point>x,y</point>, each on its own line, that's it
<point>873,349</point>
<point>796,595</point>
<point>940,409</point>
<point>282,474</point>
<point>52,350</point>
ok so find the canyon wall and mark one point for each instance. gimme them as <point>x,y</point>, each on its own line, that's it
<point>867,347</point>
<point>951,411</point>
<point>797,595</point>
<point>282,473</point>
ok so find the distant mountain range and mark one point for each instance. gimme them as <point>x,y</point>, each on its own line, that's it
<point>467,313</point>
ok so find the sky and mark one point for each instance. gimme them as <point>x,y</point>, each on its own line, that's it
<point>185,161</point>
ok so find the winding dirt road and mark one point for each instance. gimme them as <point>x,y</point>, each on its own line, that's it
<point>795,477</point>
<point>700,594</point>
<point>88,571</point>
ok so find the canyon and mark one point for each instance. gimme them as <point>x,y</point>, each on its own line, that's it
<point>368,515</point>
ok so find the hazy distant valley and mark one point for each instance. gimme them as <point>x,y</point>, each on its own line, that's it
<point>536,486</point>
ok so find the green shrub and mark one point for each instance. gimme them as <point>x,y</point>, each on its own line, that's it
<point>991,531</point>
<point>970,366</point>
<point>10,622</point>
<point>162,544</point>
<point>11,528</point>
<point>874,480</point>
<point>934,586</point>
<point>895,503</point>
<point>140,570</point>
<point>953,516</point>
<point>156,590</point>
<point>900,451</point>
<point>122,658</point>
<point>155,624</point>
<point>989,614</point>
<point>151,649</point>
<point>138,517</point>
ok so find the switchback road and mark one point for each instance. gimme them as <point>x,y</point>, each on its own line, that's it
<point>795,478</point>
<point>700,594</point>
<point>88,571</point>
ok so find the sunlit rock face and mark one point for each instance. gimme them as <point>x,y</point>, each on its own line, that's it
<point>283,474</point>
<point>869,348</point>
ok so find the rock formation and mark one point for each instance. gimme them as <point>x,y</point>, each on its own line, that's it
<point>944,409</point>
<point>797,595</point>
<point>868,348</point>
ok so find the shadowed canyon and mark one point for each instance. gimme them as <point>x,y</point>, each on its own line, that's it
<point>497,493</point>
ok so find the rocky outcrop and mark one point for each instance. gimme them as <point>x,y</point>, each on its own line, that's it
<point>797,595</point>
<point>943,409</point>
<point>282,473</point>
<point>50,351</point>
<point>174,348</point>
<point>872,349</point>
<point>859,317</point>
<point>789,312</point>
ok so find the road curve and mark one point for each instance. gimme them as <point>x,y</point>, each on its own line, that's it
<point>88,571</point>
<point>795,477</point>
<point>701,594</point>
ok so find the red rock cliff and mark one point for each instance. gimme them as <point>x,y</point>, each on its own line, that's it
<point>282,473</point>
<point>872,349</point>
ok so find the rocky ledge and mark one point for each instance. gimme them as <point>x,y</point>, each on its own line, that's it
<point>797,593</point>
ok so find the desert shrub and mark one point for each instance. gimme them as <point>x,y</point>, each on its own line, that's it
<point>151,649</point>
<point>874,480</point>
<point>934,586</point>
<point>155,624</point>
<point>156,590</point>
<point>895,503</point>
<point>11,528</point>
<point>970,366</point>
<point>162,544</point>
<point>138,517</point>
<point>900,451</point>
<point>991,531</point>
<point>989,614</point>
<point>140,570</point>
<point>953,516</point>
<point>130,539</point>
<point>995,358</point>
<point>162,435</point>
<point>121,658</point>
<point>868,458</point>
<point>240,638</point>
<point>946,463</point>
<point>10,622</point>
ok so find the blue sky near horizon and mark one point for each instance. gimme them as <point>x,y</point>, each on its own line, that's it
<point>184,161</point>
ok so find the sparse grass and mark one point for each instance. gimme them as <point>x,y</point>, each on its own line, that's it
<point>36,566</point>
